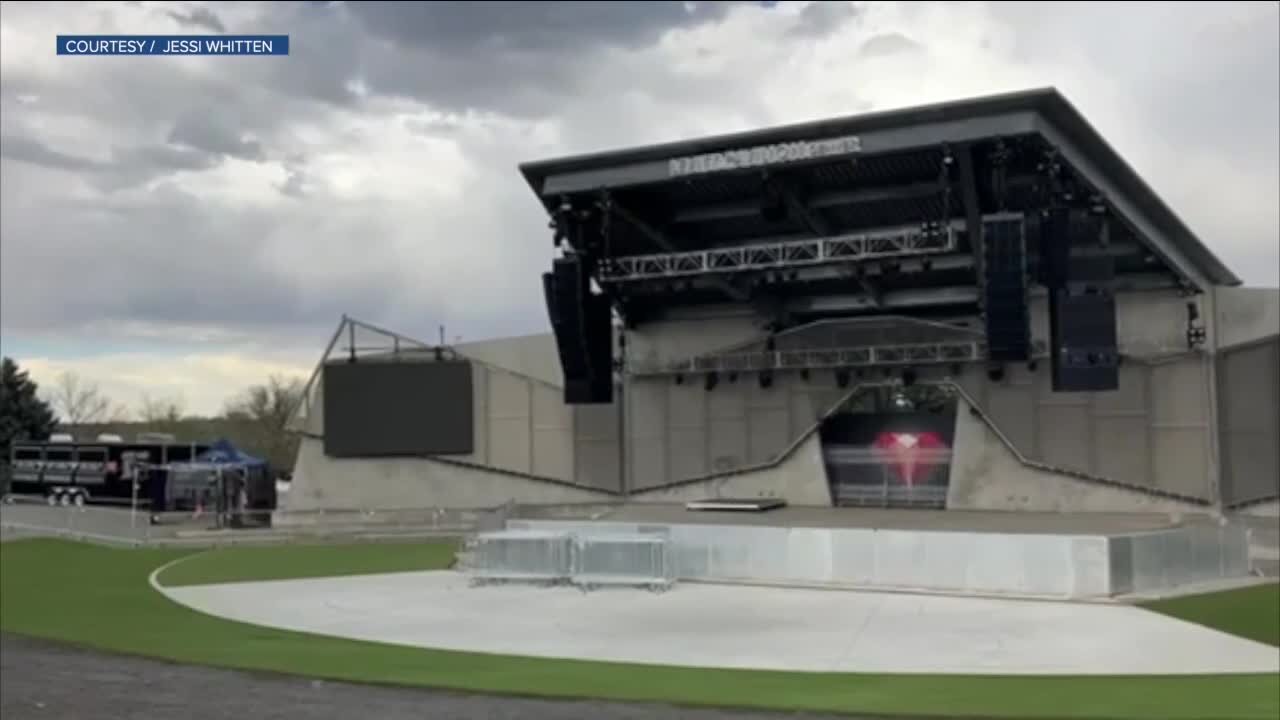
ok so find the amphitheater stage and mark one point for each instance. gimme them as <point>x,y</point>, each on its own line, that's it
<point>1035,555</point>
<point>711,625</point>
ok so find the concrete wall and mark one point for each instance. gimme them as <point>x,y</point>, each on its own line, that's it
<point>521,425</point>
<point>321,482</point>
<point>1249,397</point>
<point>1246,314</point>
<point>1152,432</point>
<point>680,431</point>
<point>986,474</point>
<point>683,334</point>
<point>533,356</point>
<point>800,479</point>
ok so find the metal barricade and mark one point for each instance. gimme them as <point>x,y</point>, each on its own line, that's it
<point>517,555</point>
<point>640,560</point>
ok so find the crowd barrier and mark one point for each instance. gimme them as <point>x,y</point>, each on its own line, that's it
<point>551,556</point>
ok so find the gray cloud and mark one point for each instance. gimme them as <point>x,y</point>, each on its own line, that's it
<point>128,166</point>
<point>888,44</point>
<point>200,17</point>
<point>477,30</point>
<point>31,150</point>
<point>212,131</point>
<point>822,18</point>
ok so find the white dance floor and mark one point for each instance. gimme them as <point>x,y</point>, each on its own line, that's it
<point>739,627</point>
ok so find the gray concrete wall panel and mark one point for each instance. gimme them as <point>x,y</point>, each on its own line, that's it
<point>800,479</point>
<point>1246,314</point>
<point>1153,431</point>
<point>597,446</point>
<point>1067,437</point>
<point>324,483</point>
<point>1249,393</point>
<point>552,433</point>
<point>533,356</point>
<point>987,474</point>
<point>679,338</point>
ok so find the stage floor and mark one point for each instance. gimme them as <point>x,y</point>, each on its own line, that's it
<point>949,520</point>
<point>705,625</point>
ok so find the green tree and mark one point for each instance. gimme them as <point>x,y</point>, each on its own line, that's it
<point>23,415</point>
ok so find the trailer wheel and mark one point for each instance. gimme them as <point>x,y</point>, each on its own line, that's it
<point>78,498</point>
<point>51,498</point>
<point>64,499</point>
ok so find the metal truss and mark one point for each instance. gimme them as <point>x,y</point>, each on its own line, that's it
<point>869,356</point>
<point>856,357</point>
<point>852,247</point>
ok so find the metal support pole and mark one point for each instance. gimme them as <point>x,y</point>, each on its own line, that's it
<point>133,499</point>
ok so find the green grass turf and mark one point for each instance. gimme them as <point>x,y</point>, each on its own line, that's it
<point>285,562</point>
<point>99,597</point>
<point>1252,612</point>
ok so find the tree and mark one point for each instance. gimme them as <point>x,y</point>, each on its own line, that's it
<point>23,415</point>
<point>79,402</point>
<point>265,410</point>
<point>160,410</point>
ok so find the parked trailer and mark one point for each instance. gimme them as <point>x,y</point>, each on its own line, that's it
<point>75,473</point>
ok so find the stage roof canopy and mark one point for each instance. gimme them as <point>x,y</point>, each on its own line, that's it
<point>940,165</point>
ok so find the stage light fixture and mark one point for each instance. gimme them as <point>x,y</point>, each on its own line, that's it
<point>712,380</point>
<point>908,377</point>
<point>766,378</point>
<point>733,377</point>
<point>679,379</point>
<point>995,373</point>
<point>804,374</point>
<point>842,378</point>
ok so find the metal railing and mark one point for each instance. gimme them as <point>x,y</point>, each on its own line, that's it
<point>880,477</point>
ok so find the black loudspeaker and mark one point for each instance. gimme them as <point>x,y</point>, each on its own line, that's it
<point>1083,336</point>
<point>1004,296</point>
<point>582,326</point>
<point>1060,230</point>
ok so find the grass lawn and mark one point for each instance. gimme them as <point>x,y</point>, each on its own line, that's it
<point>1252,612</point>
<point>99,597</point>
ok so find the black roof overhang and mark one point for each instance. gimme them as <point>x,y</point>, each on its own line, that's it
<point>1043,113</point>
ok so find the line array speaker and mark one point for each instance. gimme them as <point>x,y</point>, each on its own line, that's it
<point>1004,298</point>
<point>583,329</point>
<point>1083,335</point>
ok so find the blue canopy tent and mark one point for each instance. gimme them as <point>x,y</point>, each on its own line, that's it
<point>222,455</point>
<point>217,478</point>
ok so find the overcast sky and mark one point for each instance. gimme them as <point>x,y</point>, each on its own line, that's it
<point>188,226</point>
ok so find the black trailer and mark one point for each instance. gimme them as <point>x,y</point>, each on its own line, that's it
<point>75,473</point>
